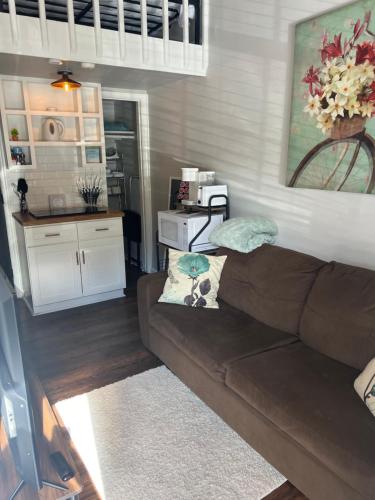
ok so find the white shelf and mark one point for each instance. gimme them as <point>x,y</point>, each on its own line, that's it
<point>15,111</point>
<point>115,176</point>
<point>56,113</point>
<point>57,143</point>
<point>81,112</point>
<point>19,144</point>
<point>119,134</point>
<point>91,115</point>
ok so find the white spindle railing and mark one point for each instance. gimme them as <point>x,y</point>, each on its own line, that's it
<point>185,30</point>
<point>166,53</point>
<point>13,21</point>
<point>97,27</point>
<point>144,30</point>
<point>72,26</point>
<point>166,30</point>
<point>204,33</point>
<point>121,28</point>
<point>43,22</point>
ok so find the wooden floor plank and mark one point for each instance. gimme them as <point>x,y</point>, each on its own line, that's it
<point>286,492</point>
<point>82,349</point>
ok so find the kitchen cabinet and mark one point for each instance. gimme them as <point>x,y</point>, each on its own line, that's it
<point>72,263</point>
<point>55,273</point>
<point>100,273</point>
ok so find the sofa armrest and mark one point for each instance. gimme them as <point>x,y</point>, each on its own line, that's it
<point>149,289</point>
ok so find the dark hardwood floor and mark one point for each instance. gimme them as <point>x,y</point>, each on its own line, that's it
<point>82,349</point>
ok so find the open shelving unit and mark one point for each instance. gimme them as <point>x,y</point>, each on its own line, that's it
<point>25,105</point>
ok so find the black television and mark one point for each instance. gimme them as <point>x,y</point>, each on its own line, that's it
<point>16,409</point>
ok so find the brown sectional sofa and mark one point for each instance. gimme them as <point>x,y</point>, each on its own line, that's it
<point>278,360</point>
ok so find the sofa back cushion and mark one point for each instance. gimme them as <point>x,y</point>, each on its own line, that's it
<point>271,284</point>
<point>339,317</point>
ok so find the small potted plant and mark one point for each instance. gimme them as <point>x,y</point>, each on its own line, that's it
<point>14,134</point>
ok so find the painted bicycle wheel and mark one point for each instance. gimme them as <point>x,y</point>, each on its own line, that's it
<point>339,165</point>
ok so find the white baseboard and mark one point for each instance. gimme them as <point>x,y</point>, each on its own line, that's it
<point>69,304</point>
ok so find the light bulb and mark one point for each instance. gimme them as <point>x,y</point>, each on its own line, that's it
<point>66,86</point>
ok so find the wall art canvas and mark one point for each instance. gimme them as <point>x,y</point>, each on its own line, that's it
<point>332,129</point>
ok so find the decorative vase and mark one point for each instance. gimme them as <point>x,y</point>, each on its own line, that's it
<point>52,129</point>
<point>14,137</point>
<point>347,127</point>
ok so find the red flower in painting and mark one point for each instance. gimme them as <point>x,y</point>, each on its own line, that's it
<point>371,97</point>
<point>365,52</point>
<point>331,50</point>
<point>311,78</point>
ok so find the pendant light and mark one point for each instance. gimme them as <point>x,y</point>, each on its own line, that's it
<point>65,82</point>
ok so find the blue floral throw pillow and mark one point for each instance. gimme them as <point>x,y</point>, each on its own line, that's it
<point>193,279</point>
<point>364,384</point>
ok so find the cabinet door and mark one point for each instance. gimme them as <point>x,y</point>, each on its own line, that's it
<point>103,265</point>
<point>55,273</point>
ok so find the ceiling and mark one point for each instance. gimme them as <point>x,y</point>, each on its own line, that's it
<point>108,76</point>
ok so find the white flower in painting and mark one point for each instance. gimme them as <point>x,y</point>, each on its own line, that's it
<point>330,86</point>
<point>336,106</point>
<point>346,87</point>
<point>353,107</point>
<point>348,66</point>
<point>313,106</point>
<point>365,72</point>
<point>331,68</point>
<point>325,122</point>
<point>366,109</point>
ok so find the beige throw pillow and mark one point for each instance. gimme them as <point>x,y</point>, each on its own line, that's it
<point>193,279</point>
<point>365,386</point>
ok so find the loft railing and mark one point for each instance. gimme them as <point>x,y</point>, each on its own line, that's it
<point>170,34</point>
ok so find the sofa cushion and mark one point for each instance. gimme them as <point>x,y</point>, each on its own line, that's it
<point>271,284</point>
<point>213,338</point>
<point>339,317</point>
<point>310,397</point>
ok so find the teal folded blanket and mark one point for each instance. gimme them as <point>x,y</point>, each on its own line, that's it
<point>244,234</point>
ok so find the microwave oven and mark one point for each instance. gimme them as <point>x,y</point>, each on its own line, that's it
<point>178,228</point>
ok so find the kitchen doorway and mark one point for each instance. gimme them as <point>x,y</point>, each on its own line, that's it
<point>126,134</point>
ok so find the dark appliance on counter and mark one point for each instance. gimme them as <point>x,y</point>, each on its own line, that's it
<point>62,212</point>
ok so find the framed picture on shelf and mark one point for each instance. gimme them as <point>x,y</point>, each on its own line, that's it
<point>93,154</point>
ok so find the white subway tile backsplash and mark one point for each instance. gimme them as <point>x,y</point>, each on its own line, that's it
<point>57,171</point>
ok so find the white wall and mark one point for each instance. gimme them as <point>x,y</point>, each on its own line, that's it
<point>235,121</point>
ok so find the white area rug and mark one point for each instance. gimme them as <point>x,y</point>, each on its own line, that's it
<point>150,438</point>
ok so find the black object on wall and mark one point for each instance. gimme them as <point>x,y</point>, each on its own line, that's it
<point>5,261</point>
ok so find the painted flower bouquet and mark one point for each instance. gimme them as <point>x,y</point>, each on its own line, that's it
<point>341,93</point>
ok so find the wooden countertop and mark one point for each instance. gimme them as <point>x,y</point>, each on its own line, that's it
<point>28,220</point>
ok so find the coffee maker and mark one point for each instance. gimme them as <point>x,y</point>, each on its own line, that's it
<point>199,187</point>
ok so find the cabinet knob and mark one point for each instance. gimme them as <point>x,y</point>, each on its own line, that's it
<point>50,235</point>
<point>83,257</point>
<point>77,257</point>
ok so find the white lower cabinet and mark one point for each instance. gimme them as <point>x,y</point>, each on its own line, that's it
<point>100,273</point>
<point>74,264</point>
<point>55,273</point>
